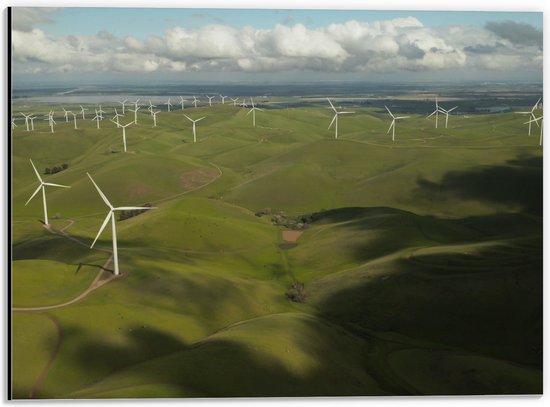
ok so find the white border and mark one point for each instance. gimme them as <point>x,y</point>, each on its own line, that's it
<point>463,5</point>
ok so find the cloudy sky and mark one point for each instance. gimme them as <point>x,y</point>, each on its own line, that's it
<point>100,44</point>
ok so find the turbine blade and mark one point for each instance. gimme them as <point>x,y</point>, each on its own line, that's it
<point>432,113</point>
<point>346,112</point>
<point>34,193</point>
<point>55,185</point>
<point>333,119</point>
<point>388,110</point>
<point>35,170</point>
<point>331,105</point>
<point>536,104</point>
<point>102,227</point>
<point>401,117</point>
<point>450,110</point>
<point>250,111</point>
<point>100,193</point>
<point>391,125</point>
<point>188,118</point>
<point>198,120</point>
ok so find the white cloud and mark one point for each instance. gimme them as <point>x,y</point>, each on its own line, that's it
<point>396,45</point>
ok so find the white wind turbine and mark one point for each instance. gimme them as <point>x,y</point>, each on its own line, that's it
<point>31,118</point>
<point>234,101</point>
<point>168,104</point>
<point>155,118</point>
<point>115,117</point>
<point>210,100</point>
<point>436,112</point>
<point>13,125</point>
<point>123,103</point>
<point>135,112</point>
<point>82,109</point>
<point>335,118</point>
<point>223,99</point>
<point>243,104</point>
<point>535,120</point>
<point>182,101</point>
<point>194,129</point>
<point>100,111</point>
<point>26,119</point>
<point>446,113</point>
<point>253,111</point>
<point>74,118</point>
<point>394,119</point>
<point>42,187</point>
<point>97,118</point>
<point>111,217</point>
<point>50,120</point>
<point>532,114</point>
<point>66,114</point>
<point>151,106</point>
<point>195,101</point>
<point>124,132</point>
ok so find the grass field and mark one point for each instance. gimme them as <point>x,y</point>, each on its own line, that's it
<point>422,267</point>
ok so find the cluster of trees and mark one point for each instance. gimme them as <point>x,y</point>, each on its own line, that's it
<point>131,213</point>
<point>55,169</point>
<point>291,222</point>
<point>296,293</point>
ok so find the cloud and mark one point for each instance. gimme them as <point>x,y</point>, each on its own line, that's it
<point>516,33</point>
<point>25,18</point>
<point>397,45</point>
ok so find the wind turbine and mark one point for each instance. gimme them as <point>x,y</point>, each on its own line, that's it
<point>74,118</point>
<point>50,120</point>
<point>234,101</point>
<point>243,104</point>
<point>123,103</point>
<point>223,99</point>
<point>151,106</point>
<point>13,125</point>
<point>253,111</point>
<point>532,114</point>
<point>26,119</point>
<point>97,118</point>
<point>155,118</point>
<point>210,100</point>
<point>194,129</point>
<point>31,118</point>
<point>136,103</point>
<point>436,112</point>
<point>195,101</point>
<point>182,101</point>
<point>168,104</point>
<point>394,119</point>
<point>82,109</point>
<point>66,115</point>
<point>124,132</point>
<point>335,118</point>
<point>116,116</point>
<point>446,113</point>
<point>135,112</point>
<point>42,186</point>
<point>111,217</point>
<point>100,111</point>
<point>536,121</point>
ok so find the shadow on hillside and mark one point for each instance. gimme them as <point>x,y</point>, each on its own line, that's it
<point>517,184</point>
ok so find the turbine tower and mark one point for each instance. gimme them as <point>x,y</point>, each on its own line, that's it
<point>66,115</point>
<point>182,102</point>
<point>74,118</point>
<point>194,128</point>
<point>335,118</point>
<point>31,118</point>
<point>253,111</point>
<point>97,118</point>
<point>394,119</point>
<point>168,104</point>
<point>111,217</point>
<point>210,100</point>
<point>195,101</point>
<point>135,112</point>
<point>42,187</point>
<point>223,99</point>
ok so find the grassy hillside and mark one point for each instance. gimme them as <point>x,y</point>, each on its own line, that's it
<point>422,261</point>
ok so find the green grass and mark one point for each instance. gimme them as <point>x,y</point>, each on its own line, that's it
<point>428,253</point>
